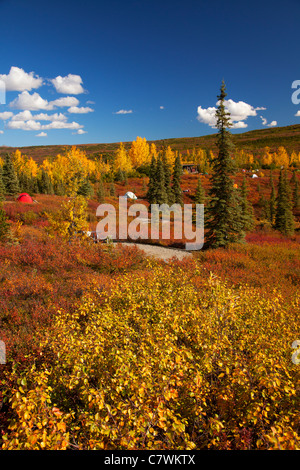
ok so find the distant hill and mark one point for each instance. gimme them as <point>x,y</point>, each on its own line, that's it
<point>253,141</point>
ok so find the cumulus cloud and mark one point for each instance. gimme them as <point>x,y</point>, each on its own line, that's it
<point>29,125</point>
<point>19,80</point>
<point>82,110</point>
<point>124,111</point>
<point>6,115</point>
<point>239,112</point>
<point>161,107</point>
<point>32,125</point>
<point>80,131</point>
<point>32,102</point>
<point>71,84</point>
<point>265,122</point>
<point>42,134</point>
<point>65,102</point>
<point>27,115</point>
<point>297,113</point>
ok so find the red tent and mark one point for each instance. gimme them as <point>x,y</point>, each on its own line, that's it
<point>24,197</point>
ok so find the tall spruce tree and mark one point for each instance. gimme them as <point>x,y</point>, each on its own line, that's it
<point>152,182</point>
<point>284,219</point>
<point>272,202</point>
<point>2,187</point>
<point>5,233</point>
<point>224,213</point>
<point>100,192</point>
<point>160,193</point>
<point>295,191</point>
<point>167,175</point>
<point>200,193</point>
<point>9,177</point>
<point>176,187</point>
<point>247,212</point>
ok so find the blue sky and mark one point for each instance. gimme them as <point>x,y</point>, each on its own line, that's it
<point>109,71</point>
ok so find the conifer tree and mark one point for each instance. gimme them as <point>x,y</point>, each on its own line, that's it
<point>2,187</point>
<point>284,219</point>
<point>100,192</point>
<point>4,225</point>
<point>200,193</point>
<point>160,194</point>
<point>9,177</point>
<point>295,191</point>
<point>152,182</point>
<point>85,189</point>
<point>167,176</point>
<point>246,208</point>
<point>272,202</point>
<point>176,187</point>
<point>112,190</point>
<point>224,215</point>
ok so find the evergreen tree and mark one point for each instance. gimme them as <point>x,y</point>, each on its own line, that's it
<point>224,215</point>
<point>246,208</point>
<point>167,175</point>
<point>9,177</point>
<point>152,182</point>
<point>2,187</point>
<point>177,174</point>
<point>284,219</point>
<point>4,226</point>
<point>112,190</point>
<point>272,202</point>
<point>160,194</point>
<point>200,193</point>
<point>100,192</point>
<point>295,191</point>
<point>85,189</point>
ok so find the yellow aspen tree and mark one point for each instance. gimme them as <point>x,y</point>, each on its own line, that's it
<point>282,158</point>
<point>293,158</point>
<point>101,168</point>
<point>153,151</point>
<point>139,152</point>
<point>267,157</point>
<point>122,160</point>
<point>170,156</point>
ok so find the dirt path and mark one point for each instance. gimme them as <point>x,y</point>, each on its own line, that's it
<point>160,252</point>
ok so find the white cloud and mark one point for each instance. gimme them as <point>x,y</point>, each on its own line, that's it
<point>30,102</point>
<point>6,115</point>
<point>69,84</point>
<point>1,132</point>
<point>19,80</point>
<point>41,134</point>
<point>27,115</point>
<point>80,131</point>
<point>29,125</point>
<point>297,113</point>
<point>265,122</point>
<point>239,112</point>
<point>66,101</point>
<point>124,111</point>
<point>32,125</point>
<point>161,107</point>
<point>62,125</point>
<point>82,110</point>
